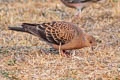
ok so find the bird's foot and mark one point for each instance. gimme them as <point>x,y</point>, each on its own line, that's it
<point>76,17</point>
<point>64,53</point>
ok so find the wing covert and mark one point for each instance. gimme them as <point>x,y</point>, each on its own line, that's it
<point>57,32</point>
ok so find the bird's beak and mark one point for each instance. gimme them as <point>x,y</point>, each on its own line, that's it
<point>93,48</point>
<point>95,44</point>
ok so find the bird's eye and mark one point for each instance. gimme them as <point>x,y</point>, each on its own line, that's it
<point>90,42</point>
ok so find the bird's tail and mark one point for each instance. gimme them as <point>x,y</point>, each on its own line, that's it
<point>26,27</point>
<point>21,29</point>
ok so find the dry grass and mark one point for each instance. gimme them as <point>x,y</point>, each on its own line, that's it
<point>24,57</point>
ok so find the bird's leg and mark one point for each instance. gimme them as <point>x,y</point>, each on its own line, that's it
<point>61,52</point>
<point>78,14</point>
<point>60,48</point>
<point>64,53</point>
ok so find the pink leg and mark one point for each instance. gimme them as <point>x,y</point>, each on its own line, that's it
<point>77,15</point>
<point>64,53</point>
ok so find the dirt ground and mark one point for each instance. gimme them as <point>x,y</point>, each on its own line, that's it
<point>25,57</point>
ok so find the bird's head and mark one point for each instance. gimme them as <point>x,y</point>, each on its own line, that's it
<point>90,40</point>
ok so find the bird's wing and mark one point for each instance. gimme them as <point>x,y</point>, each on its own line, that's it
<point>53,32</point>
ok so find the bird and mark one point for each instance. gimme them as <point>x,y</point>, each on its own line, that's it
<point>78,4</point>
<point>60,35</point>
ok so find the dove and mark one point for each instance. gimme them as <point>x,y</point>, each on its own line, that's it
<point>78,4</point>
<point>60,35</point>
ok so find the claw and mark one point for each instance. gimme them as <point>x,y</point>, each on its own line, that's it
<point>63,53</point>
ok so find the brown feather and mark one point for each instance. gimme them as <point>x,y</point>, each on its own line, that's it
<point>69,35</point>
